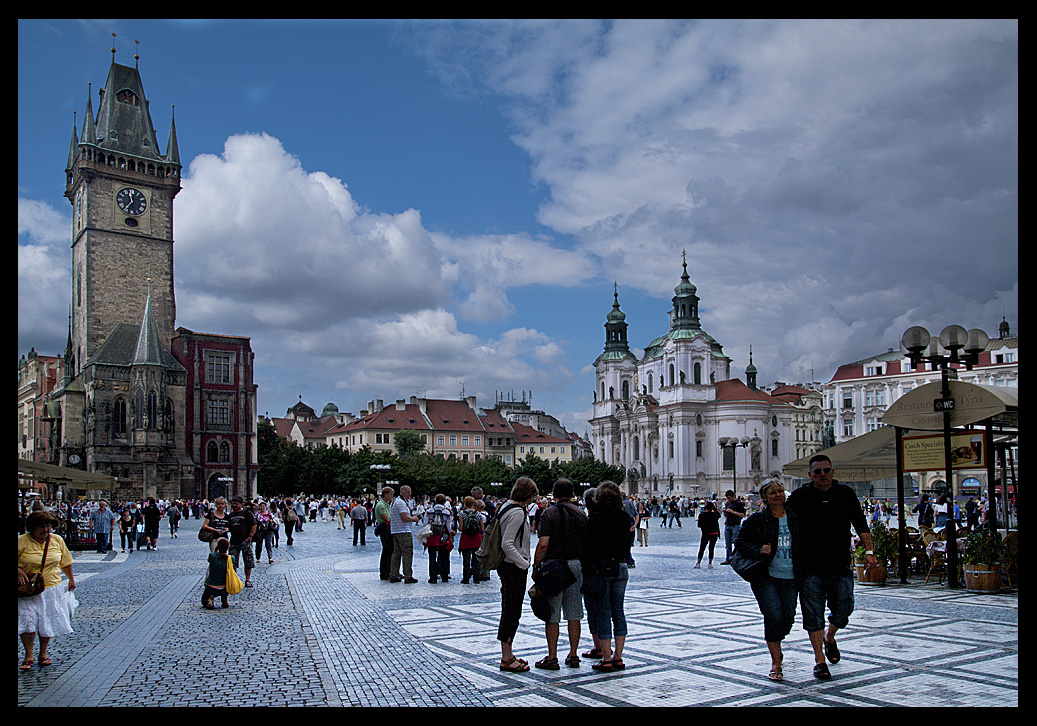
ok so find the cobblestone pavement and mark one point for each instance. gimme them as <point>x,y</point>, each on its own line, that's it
<point>320,629</point>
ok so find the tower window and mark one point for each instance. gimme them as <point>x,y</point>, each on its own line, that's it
<point>127,96</point>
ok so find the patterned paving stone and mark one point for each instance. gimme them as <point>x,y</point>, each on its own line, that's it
<point>320,629</point>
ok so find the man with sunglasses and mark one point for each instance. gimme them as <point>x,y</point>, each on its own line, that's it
<point>826,510</point>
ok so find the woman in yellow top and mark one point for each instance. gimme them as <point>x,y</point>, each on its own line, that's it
<point>46,613</point>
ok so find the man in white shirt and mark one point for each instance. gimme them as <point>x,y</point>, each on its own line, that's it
<point>400,519</point>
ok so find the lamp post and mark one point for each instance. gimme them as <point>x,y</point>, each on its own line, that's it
<point>943,351</point>
<point>734,442</point>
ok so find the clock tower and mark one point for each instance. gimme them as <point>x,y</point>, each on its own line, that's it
<point>121,188</point>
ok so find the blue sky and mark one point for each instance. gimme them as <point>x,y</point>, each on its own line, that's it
<point>388,208</point>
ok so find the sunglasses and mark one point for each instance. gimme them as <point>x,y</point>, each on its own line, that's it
<point>826,470</point>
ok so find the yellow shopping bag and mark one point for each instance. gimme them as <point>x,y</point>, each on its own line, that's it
<point>234,583</point>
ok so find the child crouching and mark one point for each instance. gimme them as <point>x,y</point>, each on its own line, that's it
<point>216,579</point>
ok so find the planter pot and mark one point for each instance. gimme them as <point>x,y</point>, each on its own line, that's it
<point>982,578</point>
<point>877,576</point>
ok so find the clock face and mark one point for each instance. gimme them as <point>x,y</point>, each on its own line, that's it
<point>131,201</point>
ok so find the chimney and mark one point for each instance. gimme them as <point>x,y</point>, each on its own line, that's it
<point>380,405</point>
<point>401,405</point>
<point>370,407</point>
<point>470,400</point>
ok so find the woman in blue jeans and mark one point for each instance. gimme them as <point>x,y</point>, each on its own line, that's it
<point>606,548</point>
<point>772,535</point>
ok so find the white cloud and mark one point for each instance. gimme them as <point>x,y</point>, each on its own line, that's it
<point>824,176</point>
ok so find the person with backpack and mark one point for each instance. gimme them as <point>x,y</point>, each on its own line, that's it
<point>513,540</point>
<point>471,538</point>
<point>440,542</point>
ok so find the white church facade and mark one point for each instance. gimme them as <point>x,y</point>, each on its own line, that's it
<point>675,419</point>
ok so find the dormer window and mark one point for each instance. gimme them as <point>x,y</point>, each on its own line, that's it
<point>127,96</point>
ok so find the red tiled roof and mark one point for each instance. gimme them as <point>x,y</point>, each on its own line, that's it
<point>529,435</point>
<point>735,391</point>
<point>447,415</point>
<point>387,418</point>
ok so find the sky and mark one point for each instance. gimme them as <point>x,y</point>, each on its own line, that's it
<point>395,208</point>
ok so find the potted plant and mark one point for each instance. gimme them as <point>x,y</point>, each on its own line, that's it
<point>981,552</point>
<point>884,545</point>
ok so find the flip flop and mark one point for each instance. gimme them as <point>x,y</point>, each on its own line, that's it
<point>775,674</point>
<point>45,661</point>
<point>248,584</point>
<point>26,665</point>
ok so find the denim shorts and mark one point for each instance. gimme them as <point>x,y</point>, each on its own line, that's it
<point>815,591</point>
<point>569,600</point>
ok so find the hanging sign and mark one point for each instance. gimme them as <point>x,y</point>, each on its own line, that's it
<point>926,453</point>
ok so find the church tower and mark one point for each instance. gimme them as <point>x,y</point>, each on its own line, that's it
<point>121,188</point>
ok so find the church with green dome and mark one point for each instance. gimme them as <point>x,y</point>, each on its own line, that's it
<point>675,419</point>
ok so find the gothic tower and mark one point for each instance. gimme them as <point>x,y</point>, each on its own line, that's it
<point>121,189</point>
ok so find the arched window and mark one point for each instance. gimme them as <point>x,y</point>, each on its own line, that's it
<point>626,390</point>
<point>673,379</point>
<point>138,409</point>
<point>698,374</point>
<point>119,416</point>
<point>152,421</point>
<point>211,452</point>
<point>650,388</point>
<point>225,452</point>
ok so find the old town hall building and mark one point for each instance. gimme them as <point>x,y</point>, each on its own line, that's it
<point>170,412</point>
<point>675,419</point>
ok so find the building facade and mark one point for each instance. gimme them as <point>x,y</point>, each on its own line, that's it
<point>860,392</point>
<point>221,404</point>
<point>663,416</point>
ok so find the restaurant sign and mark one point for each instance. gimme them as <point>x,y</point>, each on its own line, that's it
<point>926,453</point>
<point>915,409</point>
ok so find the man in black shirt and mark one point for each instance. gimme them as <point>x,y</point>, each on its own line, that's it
<point>734,513</point>
<point>826,509</point>
<point>561,538</point>
<point>152,515</point>
<point>242,525</point>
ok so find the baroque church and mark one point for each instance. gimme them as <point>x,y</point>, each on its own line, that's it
<point>170,412</point>
<point>675,419</point>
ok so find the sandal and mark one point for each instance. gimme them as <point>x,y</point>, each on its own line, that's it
<point>26,665</point>
<point>821,671</point>
<point>618,665</point>
<point>548,663</point>
<point>44,660</point>
<point>604,666</point>
<point>592,654</point>
<point>515,665</point>
<point>573,661</point>
<point>248,583</point>
<point>775,674</point>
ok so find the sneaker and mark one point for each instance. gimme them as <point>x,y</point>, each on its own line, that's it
<point>698,566</point>
<point>409,581</point>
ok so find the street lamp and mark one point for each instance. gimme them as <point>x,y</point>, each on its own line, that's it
<point>734,443</point>
<point>918,345</point>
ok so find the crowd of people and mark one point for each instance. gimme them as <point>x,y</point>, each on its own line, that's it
<point>797,548</point>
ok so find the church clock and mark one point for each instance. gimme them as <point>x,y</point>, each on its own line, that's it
<point>132,201</point>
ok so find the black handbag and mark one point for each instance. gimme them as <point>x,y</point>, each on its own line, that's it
<point>748,569</point>
<point>553,577</point>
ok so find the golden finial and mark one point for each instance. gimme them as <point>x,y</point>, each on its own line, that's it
<point>113,47</point>
<point>136,56</point>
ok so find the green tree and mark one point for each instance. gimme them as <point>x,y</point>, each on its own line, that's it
<point>408,443</point>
